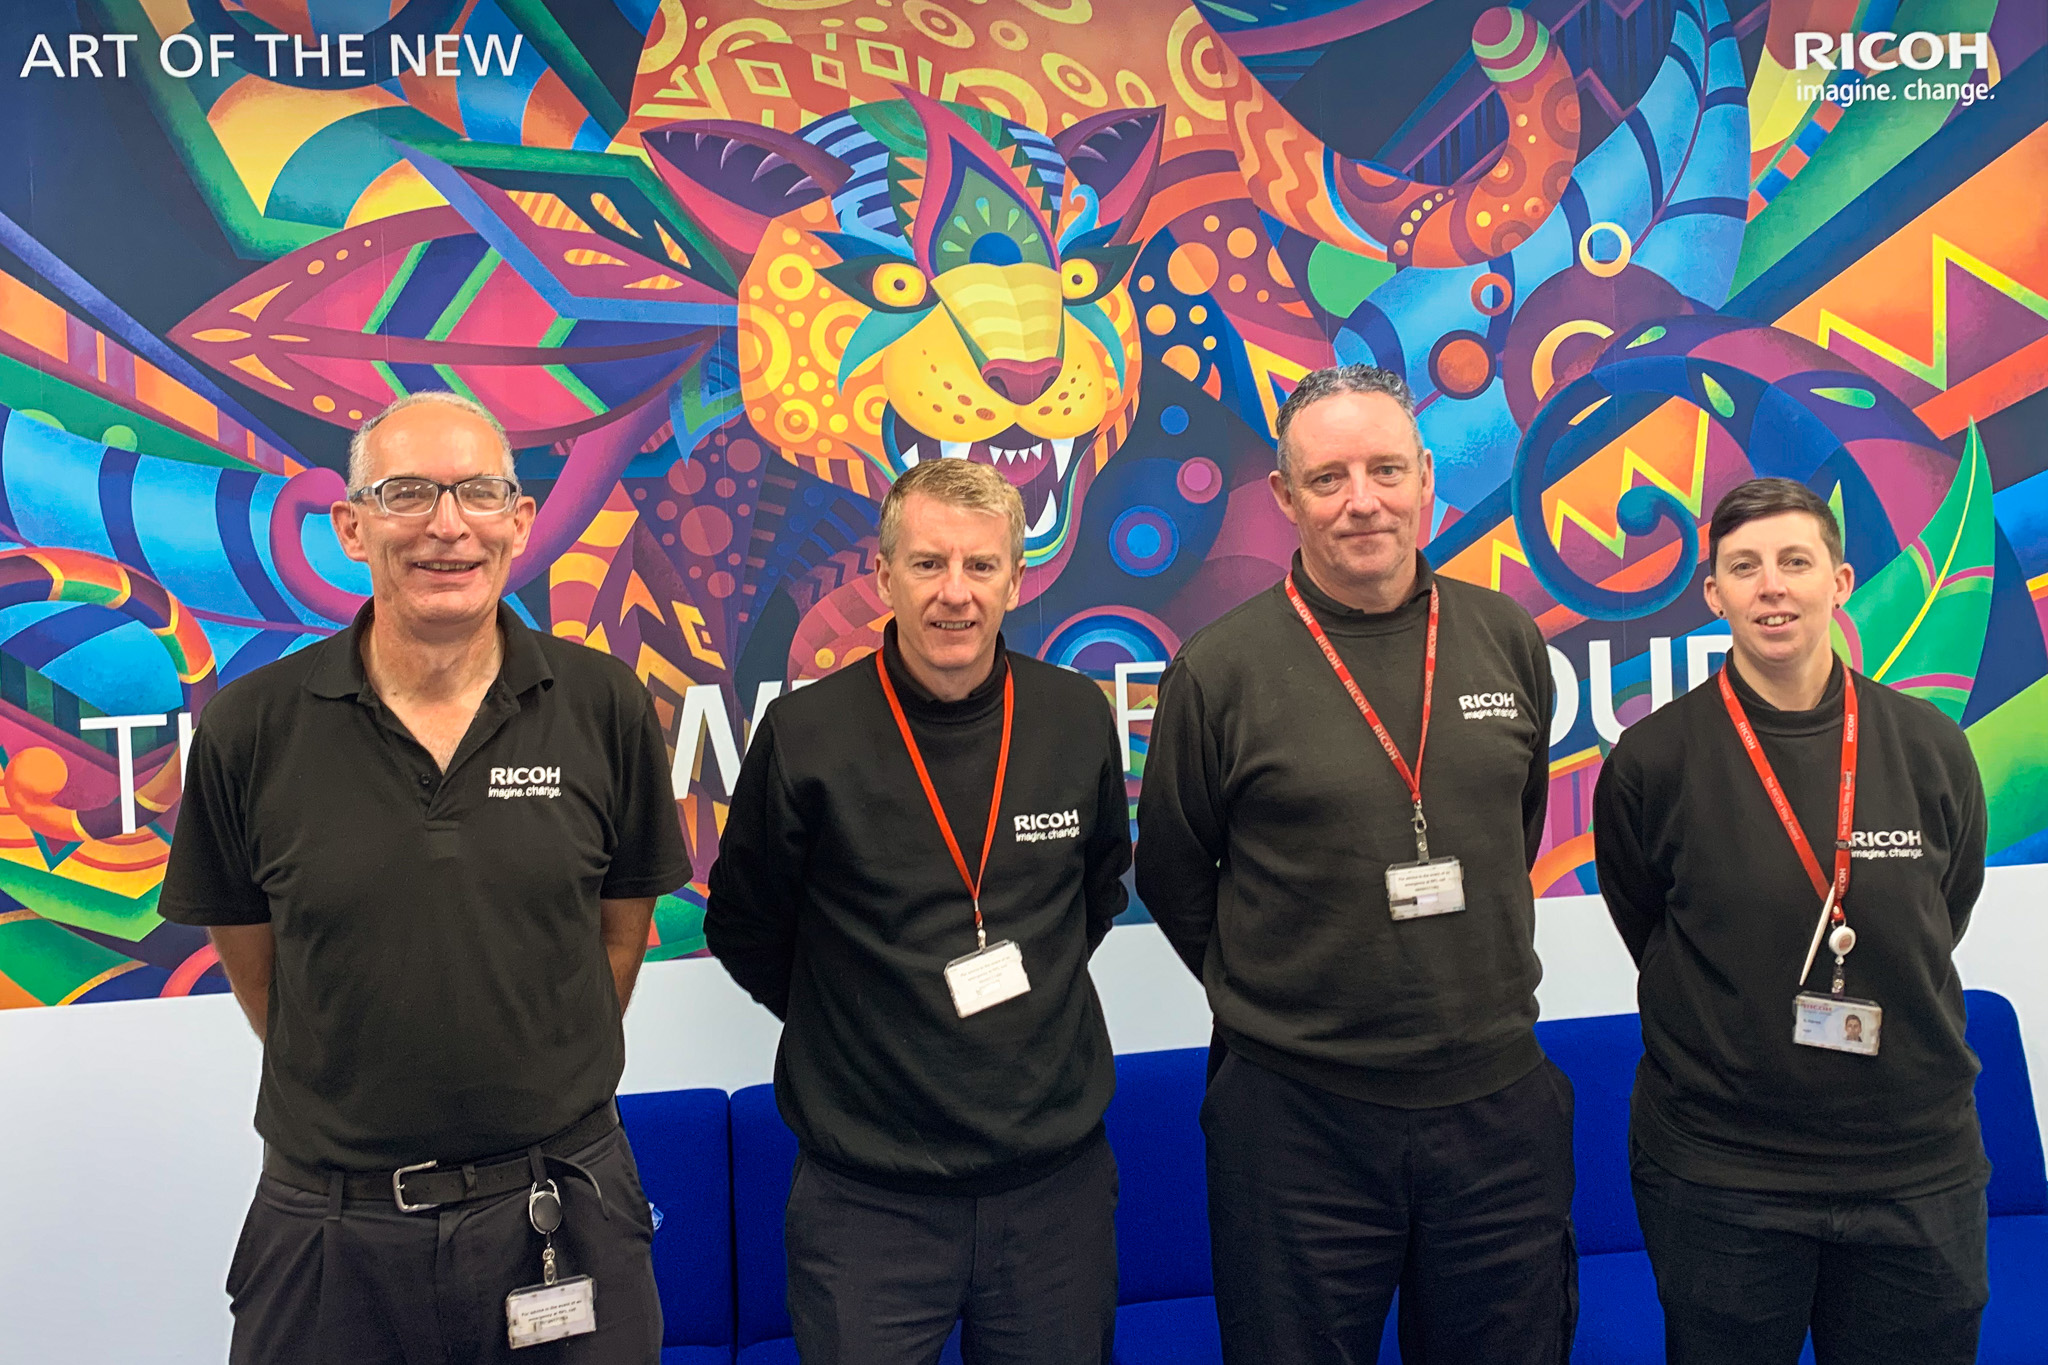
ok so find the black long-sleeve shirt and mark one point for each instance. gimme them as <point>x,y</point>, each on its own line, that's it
<point>835,903</point>
<point>1270,815</point>
<point>1718,912</point>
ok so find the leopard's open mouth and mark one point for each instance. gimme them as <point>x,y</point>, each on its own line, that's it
<point>1036,465</point>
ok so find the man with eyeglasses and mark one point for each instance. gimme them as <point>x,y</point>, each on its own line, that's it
<point>427,850</point>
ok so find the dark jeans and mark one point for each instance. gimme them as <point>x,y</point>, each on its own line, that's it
<point>1742,1274</point>
<point>374,1286</point>
<point>879,1278</point>
<point>1320,1206</point>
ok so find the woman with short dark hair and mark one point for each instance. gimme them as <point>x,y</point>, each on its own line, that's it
<point>1792,853</point>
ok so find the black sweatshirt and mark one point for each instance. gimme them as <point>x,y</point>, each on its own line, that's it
<point>835,903</point>
<point>1270,814</point>
<point>1713,902</point>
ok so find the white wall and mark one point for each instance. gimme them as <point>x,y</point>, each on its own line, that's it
<point>126,1156</point>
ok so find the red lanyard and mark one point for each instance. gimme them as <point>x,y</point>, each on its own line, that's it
<point>931,793</point>
<point>1413,777</point>
<point>1845,802</point>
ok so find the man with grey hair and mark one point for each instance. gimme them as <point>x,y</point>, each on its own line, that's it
<point>1379,1115</point>
<point>922,852</point>
<point>359,443</point>
<point>426,850</point>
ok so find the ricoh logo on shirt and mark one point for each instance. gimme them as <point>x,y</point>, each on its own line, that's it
<point>1885,843</point>
<point>1051,824</point>
<point>1489,706</point>
<point>510,783</point>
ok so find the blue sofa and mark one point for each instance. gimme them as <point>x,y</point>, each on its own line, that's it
<point>682,1139</point>
<point>1620,1322</point>
<point>719,1173</point>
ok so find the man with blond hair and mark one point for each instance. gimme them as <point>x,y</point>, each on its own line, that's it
<point>922,852</point>
<point>426,850</point>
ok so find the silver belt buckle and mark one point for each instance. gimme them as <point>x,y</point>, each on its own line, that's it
<point>398,1187</point>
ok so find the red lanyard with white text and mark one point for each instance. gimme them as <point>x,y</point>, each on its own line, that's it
<point>972,881</point>
<point>1845,800</point>
<point>1413,777</point>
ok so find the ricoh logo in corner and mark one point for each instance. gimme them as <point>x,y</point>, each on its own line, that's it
<point>1051,824</point>
<point>1489,706</point>
<point>510,783</point>
<point>1879,51</point>
<point>1885,843</point>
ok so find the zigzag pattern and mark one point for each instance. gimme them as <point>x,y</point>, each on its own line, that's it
<point>1934,371</point>
<point>1603,528</point>
<point>1632,464</point>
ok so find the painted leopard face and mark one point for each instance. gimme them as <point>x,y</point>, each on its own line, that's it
<point>959,294</point>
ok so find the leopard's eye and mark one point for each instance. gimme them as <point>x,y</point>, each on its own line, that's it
<point>897,284</point>
<point>1079,279</point>
<point>888,283</point>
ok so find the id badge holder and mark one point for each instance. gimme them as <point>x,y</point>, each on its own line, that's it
<point>1435,886</point>
<point>987,976</point>
<point>1837,1023</point>
<point>1427,886</point>
<point>554,1308</point>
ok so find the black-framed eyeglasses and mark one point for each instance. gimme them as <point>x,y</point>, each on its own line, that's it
<point>409,495</point>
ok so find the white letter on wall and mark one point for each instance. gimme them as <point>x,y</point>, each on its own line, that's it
<point>124,728</point>
<point>1565,714</point>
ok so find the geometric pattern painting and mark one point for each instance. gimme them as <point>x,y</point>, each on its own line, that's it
<point>726,268</point>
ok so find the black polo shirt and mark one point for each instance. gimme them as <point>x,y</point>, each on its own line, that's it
<point>441,990</point>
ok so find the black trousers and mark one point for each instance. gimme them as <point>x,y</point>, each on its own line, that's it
<point>1320,1206</point>
<point>1742,1274</point>
<point>321,1282</point>
<point>879,1278</point>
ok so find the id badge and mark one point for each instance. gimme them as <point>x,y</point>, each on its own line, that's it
<point>1838,1024</point>
<point>550,1312</point>
<point>988,976</point>
<point>1435,887</point>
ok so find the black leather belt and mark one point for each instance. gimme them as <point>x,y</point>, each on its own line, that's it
<point>429,1184</point>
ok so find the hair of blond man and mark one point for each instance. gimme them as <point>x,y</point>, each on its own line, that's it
<point>359,444</point>
<point>957,483</point>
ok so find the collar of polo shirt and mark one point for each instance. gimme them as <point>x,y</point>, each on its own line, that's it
<point>522,667</point>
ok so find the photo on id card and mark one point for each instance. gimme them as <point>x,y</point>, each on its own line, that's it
<point>1836,1023</point>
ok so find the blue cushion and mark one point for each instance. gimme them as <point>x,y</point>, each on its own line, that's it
<point>2016,1320</point>
<point>2005,1106</point>
<point>1620,1322</point>
<point>1162,1216</point>
<point>696,1355</point>
<point>763,1156</point>
<point>1600,1056</point>
<point>679,1139</point>
<point>1179,1331</point>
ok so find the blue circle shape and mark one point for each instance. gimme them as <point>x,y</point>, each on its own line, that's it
<point>1173,420</point>
<point>1143,541</point>
<point>994,248</point>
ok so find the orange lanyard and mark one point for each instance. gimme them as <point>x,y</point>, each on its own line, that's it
<point>931,794</point>
<point>1413,777</point>
<point>1845,802</point>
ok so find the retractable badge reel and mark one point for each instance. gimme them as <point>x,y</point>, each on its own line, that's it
<point>555,1308</point>
<point>1836,1021</point>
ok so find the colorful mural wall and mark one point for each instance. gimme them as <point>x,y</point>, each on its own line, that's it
<point>725,268</point>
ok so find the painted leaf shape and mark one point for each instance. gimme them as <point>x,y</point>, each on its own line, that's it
<point>423,301</point>
<point>1918,624</point>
